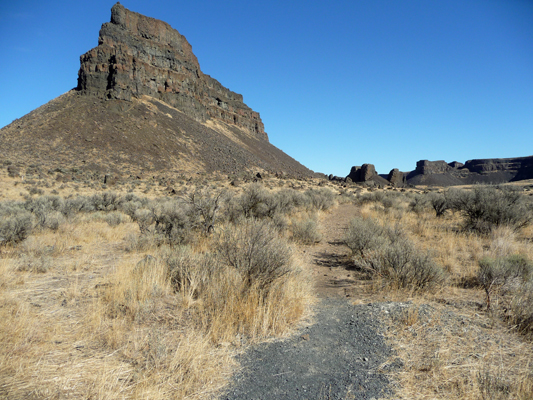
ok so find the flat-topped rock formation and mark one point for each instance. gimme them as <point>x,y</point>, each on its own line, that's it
<point>138,55</point>
<point>490,170</point>
<point>441,173</point>
<point>142,103</point>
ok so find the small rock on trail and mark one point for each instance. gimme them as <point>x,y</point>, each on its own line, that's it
<point>338,357</point>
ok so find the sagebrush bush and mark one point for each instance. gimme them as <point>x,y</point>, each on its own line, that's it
<point>406,266</point>
<point>386,253</point>
<point>363,235</point>
<point>16,227</point>
<point>439,203</point>
<point>305,231</point>
<point>320,199</point>
<point>419,204</point>
<point>495,273</point>
<point>255,250</point>
<point>34,264</point>
<point>206,209</point>
<point>252,202</point>
<point>107,201</point>
<point>191,273</point>
<point>487,207</point>
<point>48,211</point>
<point>172,220</point>
<point>115,218</point>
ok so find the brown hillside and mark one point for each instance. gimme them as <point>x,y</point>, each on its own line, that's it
<point>143,104</point>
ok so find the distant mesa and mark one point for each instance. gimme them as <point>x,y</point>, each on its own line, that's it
<point>490,170</point>
<point>441,173</point>
<point>142,103</point>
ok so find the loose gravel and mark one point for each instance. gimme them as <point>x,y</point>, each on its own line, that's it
<point>342,355</point>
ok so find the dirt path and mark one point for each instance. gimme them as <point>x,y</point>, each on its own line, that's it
<point>341,355</point>
<point>329,261</point>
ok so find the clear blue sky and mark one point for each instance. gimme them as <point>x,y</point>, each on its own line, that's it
<point>337,83</point>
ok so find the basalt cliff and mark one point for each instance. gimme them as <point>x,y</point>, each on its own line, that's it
<point>441,173</point>
<point>141,56</point>
<point>142,103</point>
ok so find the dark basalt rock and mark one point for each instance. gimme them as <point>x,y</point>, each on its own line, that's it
<point>363,173</point>
<point>441,173</point>
<point>490,170</point>
<point>139,55</point>
<point>395,177</point>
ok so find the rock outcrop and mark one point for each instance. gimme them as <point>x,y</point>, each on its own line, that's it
<point>363,173</point>
<point>441,173</point>
<point>395,177</point>
<point>483,166</point>
<point>491,170</point>
<point>138,55</point>
<point>366,173</point>
<point>143,107</point>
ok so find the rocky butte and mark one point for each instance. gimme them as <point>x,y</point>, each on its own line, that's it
<point>138,55</point>
<point>142,103</point>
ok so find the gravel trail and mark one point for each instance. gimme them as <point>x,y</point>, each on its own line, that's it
<point>340,355</point>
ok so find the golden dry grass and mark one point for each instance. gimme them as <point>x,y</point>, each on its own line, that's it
<point>456,349</point>
<point>98,322</point>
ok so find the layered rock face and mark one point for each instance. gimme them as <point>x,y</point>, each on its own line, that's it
<point>500,164</point>
<point>426,167</point>
<point>138,55</point>
<point>490,170</point>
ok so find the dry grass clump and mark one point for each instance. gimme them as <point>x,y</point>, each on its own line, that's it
<point>136,298</point>
<point>459,354</point>
<point>305,230</point>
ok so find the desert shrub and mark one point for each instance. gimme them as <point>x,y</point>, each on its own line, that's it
<point>286,200</point>
<point>257,202</point>
<point>142,242</point>
<point>35,190</point>
<point>130,208</point>
<point>305,231</point>
<point>486,207</point>
<point>363,235</point>
<point>15,227</point>
<point>172,220</point>
<point>439,203</point>
<point>371,197</point>
<point>495,273</point>
<point>251,203</point>
<point>320,199</point>
<point>205,208</point>
<point>115,218</point>
<point>521,309</point>
<point>76,205</point>
<point>346,197</point>
<point>47,211</point>
<point>386,253</point>
<point>406,266</point>
<point>419,204</point>
<point>34,264</point>
<point>256,251</point>
<point>107,201</point>
<point>191,273</point>
<point>144,218</point>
